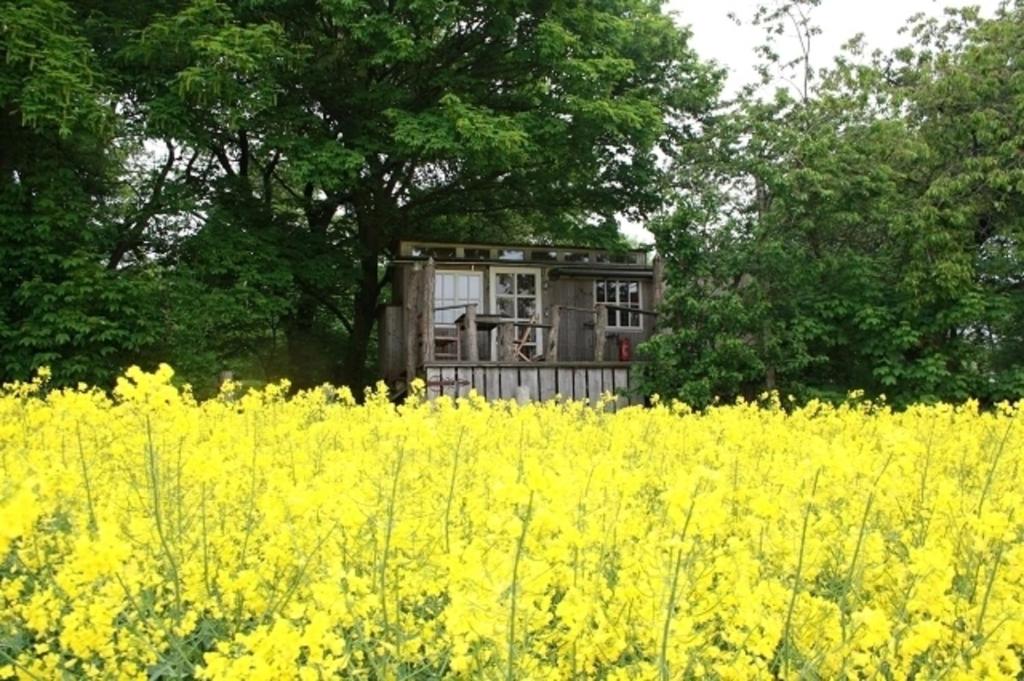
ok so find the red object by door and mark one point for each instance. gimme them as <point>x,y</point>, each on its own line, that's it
<point>625,349</point>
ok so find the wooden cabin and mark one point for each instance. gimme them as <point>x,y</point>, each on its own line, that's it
<point>517,321</point>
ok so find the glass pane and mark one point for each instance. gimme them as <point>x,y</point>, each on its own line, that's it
<point>634,319</point>
<point>525,308</point>
<point>511,254</point>
<point>601,257</point>
<point>623,296</point>
<point>527,284</point>
<point>577,257</point>
<point>440,252</point>
<point>600,292</point>
<point>477,253</point>
<point>613,317</point>
<point>506,307</point>
<point>634,293</point>
<point>609,291</point>
<point>503,284</point>
<point>545,255</point>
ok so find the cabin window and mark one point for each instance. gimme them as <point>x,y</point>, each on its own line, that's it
<point>511,254</point>
<point>456,289</point>
<point>619,258</point>
<point>621,293</point>
<point>477,253</point>
<point>436,252</point>
<point>516,295</point>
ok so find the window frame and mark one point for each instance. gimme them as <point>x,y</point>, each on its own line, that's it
<point>538,297</point>
<point>619,314</point>
<point>460,272</point>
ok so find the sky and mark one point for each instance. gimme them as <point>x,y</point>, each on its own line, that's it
<point>717,37</point>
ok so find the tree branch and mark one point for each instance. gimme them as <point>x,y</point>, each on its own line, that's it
<point>222,158</point>
<point>134,228</point>
<point>324,300</point>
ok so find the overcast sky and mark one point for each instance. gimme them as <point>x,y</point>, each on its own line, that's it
<point>717,37</point>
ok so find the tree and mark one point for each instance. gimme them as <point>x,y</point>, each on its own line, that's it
<point>862,233</point>
<point>61,303</point>
<point>328,130</point>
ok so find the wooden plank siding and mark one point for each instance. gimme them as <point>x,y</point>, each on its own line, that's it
<point>491,385</point>
<point>548,381</point>
<point>537,381</point>
<point>565,383</point>
<point>508,379</point>
<point>529,378</point>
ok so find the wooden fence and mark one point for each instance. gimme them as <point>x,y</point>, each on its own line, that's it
<point>524,381</point>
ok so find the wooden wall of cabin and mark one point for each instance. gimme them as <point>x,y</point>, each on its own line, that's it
<point>576,338</point>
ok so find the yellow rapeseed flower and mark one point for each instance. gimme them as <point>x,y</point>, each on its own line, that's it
<point>263,535</point>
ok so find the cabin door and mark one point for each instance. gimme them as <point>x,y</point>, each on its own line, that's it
<point>516,294</point>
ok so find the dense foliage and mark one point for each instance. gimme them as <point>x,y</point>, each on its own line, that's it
<point>217,183</point>
<point>862,228</point>
<point>260,537</point>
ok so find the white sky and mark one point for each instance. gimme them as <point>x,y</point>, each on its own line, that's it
<point>717,37</point>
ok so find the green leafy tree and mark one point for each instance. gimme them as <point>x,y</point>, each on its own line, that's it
<point>329,130</point>
<point>857,229</point>
<point>61,303</point>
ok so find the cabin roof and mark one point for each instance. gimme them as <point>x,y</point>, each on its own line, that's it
<point>522,244</point>
<point>513,253</point>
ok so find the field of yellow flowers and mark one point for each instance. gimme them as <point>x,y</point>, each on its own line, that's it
<point>260,536</point>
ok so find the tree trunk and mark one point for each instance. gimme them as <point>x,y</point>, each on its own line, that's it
<point>308,353</point>
<point>353,371</point>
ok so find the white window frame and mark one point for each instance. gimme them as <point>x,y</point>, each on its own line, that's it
<point>495,271</point>
<point>452,329</point>
<point>619,313</point>
<point>464,273</point>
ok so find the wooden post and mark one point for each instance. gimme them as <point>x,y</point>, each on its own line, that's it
<point>551,354</point>
<point>506,341</point>
<point>600,330</point>
<point>410,322</point>
<point>427,312</point>
<point>391,345</point>
<point>472,346</point>
<point>659,281</point>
